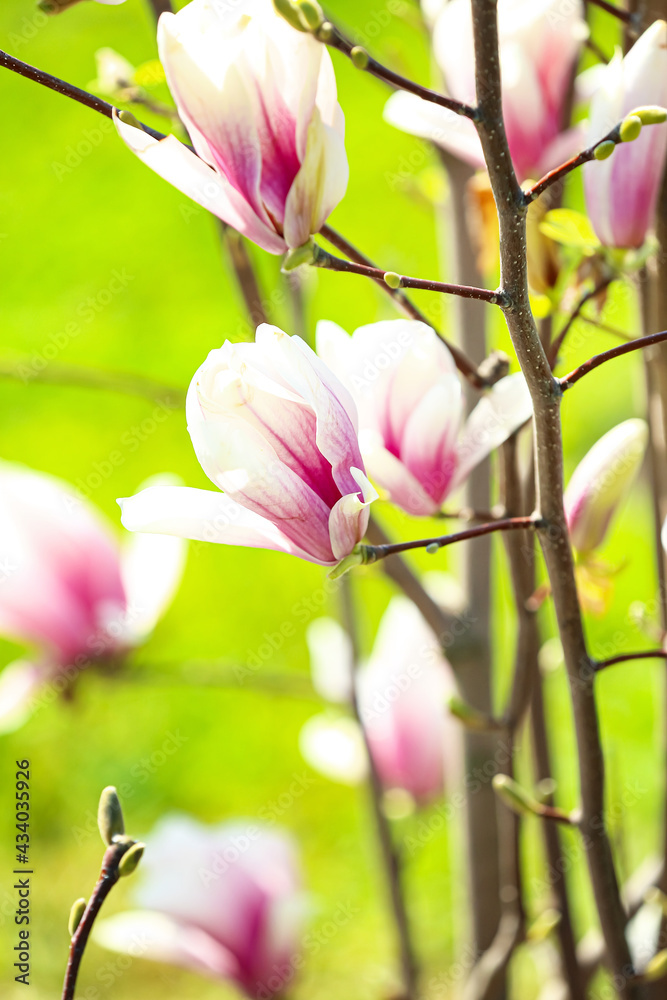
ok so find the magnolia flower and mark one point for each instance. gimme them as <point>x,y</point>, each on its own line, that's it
<point>259,101</point>
<point>223,900</point>
<point>411,409</point>
<point>402,692</point>
<point>66,588</point>
<point>539,43</point>
<point>600,482</point>
<point>274,429</point>
<point>622,191</point>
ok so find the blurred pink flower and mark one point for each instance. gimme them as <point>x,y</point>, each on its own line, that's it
<point>415,442</point>
<point>601,480</point>
<point>539,44</point>
<point>65,586</point>
<point>622,191</point>
<point>274,429</point>
<point>222,900</point>
<point>402,692</point>
<point>259,101</point>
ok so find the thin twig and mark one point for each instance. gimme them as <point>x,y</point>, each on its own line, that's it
<point>373,553</point>
<point>614,135</point>
<point>645,654</point>
<point>336,40</point>
<point>463,363</point>
<point>109,875</point>
<point>615,352</point>
<point>331,263</point>
<point>391,861</point>
<point>24,370</point>
<point>574,315</point>
<point>619,12</point>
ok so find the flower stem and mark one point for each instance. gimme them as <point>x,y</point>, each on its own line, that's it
<point>645,654</point>
<point>566,168</point>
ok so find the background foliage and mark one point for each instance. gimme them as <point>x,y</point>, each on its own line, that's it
<point>77,211</point>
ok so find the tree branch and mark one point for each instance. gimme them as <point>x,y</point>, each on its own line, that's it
<point>552,530</point>
<point>332,36</point>
<point>557,343</point>
<point>645,654</point>
<point>615,352</point>
<point>619,12</point>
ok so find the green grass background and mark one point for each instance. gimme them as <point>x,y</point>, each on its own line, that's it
<point>76,207</point>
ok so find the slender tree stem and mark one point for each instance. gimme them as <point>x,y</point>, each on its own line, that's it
<point>331,263</point>
<point>160,7</point>
<point>615,352</point>
<point>336,40</point>
<point>463,363</point>
<point>373,553</point>
<point>109,875</point>
<point>390,858</point>
<point>552,529</point>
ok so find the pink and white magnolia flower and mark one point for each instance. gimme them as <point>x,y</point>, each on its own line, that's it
<point>259,101</point>
<point>600,482</point>
<point>274,428</point>
<point>539,44</point>
<point>413,436</point>
<point>67,589</point>
<point>622,191</point>
<point>222,900</point>
<point>402,692</point>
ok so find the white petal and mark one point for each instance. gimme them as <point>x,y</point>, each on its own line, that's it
<point>335,748</point>
<point>330,659</point>
<point>497,415</point>
<point>428,121</point>
<point>19,681</point>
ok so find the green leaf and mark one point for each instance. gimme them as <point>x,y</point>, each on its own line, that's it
<point>572,229</point>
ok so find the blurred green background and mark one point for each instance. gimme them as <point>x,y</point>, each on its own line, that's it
<point>76,209</point>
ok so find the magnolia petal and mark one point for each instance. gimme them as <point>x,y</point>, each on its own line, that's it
<point>148,934</point>
<point>175,163</point>
<point>19,682</point>
<point>397,480</point>
<point>331,659</point>
<point>497,415</point>
<point>429,439</point>
<point>334,746</point>
<point>428,121</point>
<point>204,516</point>
<point>349,518</point>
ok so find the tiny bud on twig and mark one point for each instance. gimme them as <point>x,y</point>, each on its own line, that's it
<point>656,967</point>
<point>75,914</point>
<point>392,279</point>
<point>630,128</point>
<point>110,815</point>
<point>128,863</point>
<point>359,56</point>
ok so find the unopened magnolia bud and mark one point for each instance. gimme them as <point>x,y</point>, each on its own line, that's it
<point>110,815</point>
<point>290,11</point>
<point>129,119</point>
<point>310,13</point>
<point>131,859</point>
<point>652,114</point>
<point>326,32</point>
<point>514,796</point>
<point>75,914</point>
<point>359,56</point>
<point>604,150</point>
<point>630,128</point>
<point>657,967</point>
<point>432,548</point>
<point>304,254</point>
<point>392,279</point>
<point>466,714</point>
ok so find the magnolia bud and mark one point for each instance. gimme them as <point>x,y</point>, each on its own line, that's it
<point>310,13</point>
<point>75,914</point>
<point>604,150</point>
<point>110,815</point>
<point>359,56</point>
<point>131,859</point>
<point>514,796</point>
<point>657,967</point>
<point>630,128</point>
<point>650,115</point>
<point>290,11</point>
<point>392,279</point>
